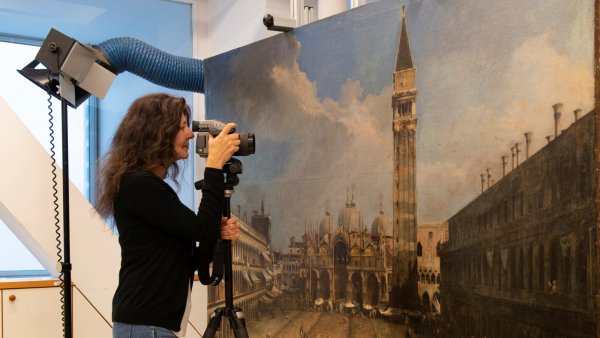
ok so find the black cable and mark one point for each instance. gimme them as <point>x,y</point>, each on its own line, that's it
<point>55,202</point>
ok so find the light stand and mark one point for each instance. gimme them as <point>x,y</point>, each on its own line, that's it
<point>237,320</point>
<point>74,71</point>
<point>66,263</point>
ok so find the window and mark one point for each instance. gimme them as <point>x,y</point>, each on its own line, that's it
<point>166,25</point>
<point>30,104</point>
<point>15,259</point>
<point>24,98</point>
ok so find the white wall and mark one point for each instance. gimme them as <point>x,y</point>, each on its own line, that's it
<point>331,7</point>
<point>232,24</point>
<point>224,25</point>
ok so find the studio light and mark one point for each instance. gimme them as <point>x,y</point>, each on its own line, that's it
<point>74,71</point>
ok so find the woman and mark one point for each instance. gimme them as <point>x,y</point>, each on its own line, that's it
<point>157,233</point>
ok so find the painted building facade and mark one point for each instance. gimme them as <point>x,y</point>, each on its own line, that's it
<point>519,260</point>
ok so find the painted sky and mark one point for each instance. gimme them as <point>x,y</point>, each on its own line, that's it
<point>319,101</point>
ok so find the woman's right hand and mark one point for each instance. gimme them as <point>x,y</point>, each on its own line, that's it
<point>230,229</point>
<point>222,147</point>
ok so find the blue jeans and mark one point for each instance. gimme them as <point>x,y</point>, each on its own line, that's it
<point>121,330</point>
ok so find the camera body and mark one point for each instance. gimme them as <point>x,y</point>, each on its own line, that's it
<point>214,127</point>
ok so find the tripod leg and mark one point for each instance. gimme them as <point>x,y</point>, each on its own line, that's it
<point>214,323</point>
<point>237,320</point>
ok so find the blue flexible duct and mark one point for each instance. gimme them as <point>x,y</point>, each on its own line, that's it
<point>154,65</point>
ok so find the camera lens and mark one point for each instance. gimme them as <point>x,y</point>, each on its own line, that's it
<point>247,145</point>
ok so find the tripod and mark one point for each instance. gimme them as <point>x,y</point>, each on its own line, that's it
<point>236,316</point>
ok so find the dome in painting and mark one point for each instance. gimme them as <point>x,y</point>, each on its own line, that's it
<point>381,225</point>
<point>350,218</point>
<point>326,224</point>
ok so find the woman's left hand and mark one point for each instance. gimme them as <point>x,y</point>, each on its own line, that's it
<point>230,230</point>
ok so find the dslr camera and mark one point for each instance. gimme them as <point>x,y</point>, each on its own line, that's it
<point>214,128</point>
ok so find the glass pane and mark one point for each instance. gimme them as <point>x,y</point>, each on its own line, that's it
<point>30,103</point>
<point>15,256</point>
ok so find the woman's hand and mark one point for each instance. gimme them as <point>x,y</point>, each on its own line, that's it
<point>222,147</point>
<point>230,230</point>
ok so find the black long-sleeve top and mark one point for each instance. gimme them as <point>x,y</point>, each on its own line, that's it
<point>157,234</point>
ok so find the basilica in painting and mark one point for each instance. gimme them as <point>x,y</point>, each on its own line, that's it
<point>350,263</point>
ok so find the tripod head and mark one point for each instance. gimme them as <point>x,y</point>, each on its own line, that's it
<point>231,169</point>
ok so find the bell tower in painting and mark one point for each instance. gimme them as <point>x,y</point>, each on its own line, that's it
<point>404,281</point>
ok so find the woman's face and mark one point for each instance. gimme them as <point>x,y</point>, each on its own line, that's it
<point>182,140</point>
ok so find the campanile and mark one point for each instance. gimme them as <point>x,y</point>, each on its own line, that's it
<point>404,102</point>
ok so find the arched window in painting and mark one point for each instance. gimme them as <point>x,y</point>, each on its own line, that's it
<point>540,267</point>
<point>581,267</point>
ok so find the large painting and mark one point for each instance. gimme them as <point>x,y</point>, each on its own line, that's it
<point>422,168</point>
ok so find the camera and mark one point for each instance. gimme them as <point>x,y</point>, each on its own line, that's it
<point>214,128</point>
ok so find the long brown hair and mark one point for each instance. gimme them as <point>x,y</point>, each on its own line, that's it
<point>143,141</point>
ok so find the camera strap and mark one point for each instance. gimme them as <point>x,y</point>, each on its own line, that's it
<point>204,257</point>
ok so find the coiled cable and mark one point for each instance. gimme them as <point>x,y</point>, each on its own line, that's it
<point>56,205</point>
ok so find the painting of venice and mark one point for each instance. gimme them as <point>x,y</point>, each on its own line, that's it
<point>422,169</point>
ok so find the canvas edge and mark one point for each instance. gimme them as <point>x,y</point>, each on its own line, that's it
<point>597,156</point>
